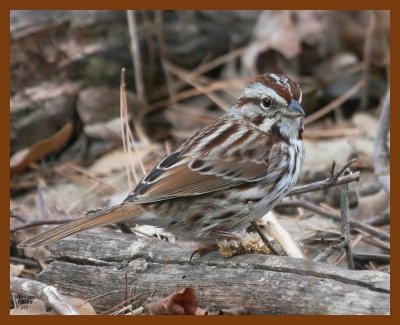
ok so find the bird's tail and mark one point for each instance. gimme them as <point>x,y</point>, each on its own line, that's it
<point>104,217</point>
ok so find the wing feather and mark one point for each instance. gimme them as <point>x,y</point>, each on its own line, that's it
<point>190,171</point>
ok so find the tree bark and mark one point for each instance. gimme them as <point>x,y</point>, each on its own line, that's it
<point>95,263</point>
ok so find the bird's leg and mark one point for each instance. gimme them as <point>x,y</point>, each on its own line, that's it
<point>204,249</point>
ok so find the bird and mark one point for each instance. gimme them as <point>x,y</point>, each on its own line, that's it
<point>201,191</point>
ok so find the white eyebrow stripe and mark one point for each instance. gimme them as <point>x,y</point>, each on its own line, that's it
<point>301,96</point>
<point>284,81</point>
<point>258,90</point>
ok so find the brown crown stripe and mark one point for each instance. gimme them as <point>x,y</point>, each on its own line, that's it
<point>296,91</point>
<point>281,89</point>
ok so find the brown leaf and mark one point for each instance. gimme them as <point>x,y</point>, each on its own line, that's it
<point>274,31</point>
<point>182,302</point>
<point>23,158</point>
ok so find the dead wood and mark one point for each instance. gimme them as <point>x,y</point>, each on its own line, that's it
<point>93,263</point>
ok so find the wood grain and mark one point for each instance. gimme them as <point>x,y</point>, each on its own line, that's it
<point>94,263</point>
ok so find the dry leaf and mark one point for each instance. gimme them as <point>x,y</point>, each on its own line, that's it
<point>23,158</point>
<point>274,31</point>
<point>183,302</point>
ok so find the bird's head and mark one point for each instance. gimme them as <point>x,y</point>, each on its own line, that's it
<point>273,101</point>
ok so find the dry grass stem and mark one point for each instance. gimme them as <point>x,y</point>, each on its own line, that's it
<point>336,103</point>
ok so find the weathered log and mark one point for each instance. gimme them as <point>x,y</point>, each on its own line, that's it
<point>95,263</point>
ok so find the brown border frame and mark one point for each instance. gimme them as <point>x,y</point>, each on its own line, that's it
<point>7,5</point>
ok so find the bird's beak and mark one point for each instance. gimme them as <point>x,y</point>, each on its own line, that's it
<point>294,109</point>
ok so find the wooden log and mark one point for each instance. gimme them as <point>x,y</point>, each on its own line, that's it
<point>94,263</point>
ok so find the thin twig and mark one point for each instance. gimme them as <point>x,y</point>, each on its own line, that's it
<point>336,103</point>
<point>121,304</point>
<point>269,243</point>
<point>336,217</point>
<point>332,171</point>
<point>125,140</point>
<point>25,261</point>
<point>378,258</point>
<point>161,49</point>
<point>345,227</point>
<point>180,73</point>
<point>367,56</point>
<point>203,68</point>
<point>136,56</point>
<point>206,89</point>
<point>353,244</point>
<point>17,216</point>
<point>103,295</point>
<point>94,178</point>
<point>324,255</point>
<point>380,220</point>
<point>126,289</point>
<point>327,183</point>
<point>342,170</point>
<point>48,294</point>
<point>276,231</point>
<point>381,150</point>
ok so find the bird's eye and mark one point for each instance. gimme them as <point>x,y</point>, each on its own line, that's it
<point>266,102</point>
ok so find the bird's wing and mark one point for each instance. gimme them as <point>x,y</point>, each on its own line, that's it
<point>201,165</point>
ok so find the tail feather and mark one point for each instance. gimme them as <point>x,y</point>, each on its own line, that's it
<point>101,218</point>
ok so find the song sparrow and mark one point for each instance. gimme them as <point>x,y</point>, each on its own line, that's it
<point>201,191</point>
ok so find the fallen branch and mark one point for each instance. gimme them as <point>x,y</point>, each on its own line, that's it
<point>270,243</point>
<point>345,228</point>
<point>327,183</point>
<point>48,294</point>
<point>276,231</point>
<point>26,261</point>
<point>92,263</point>
<point>336,217</point>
